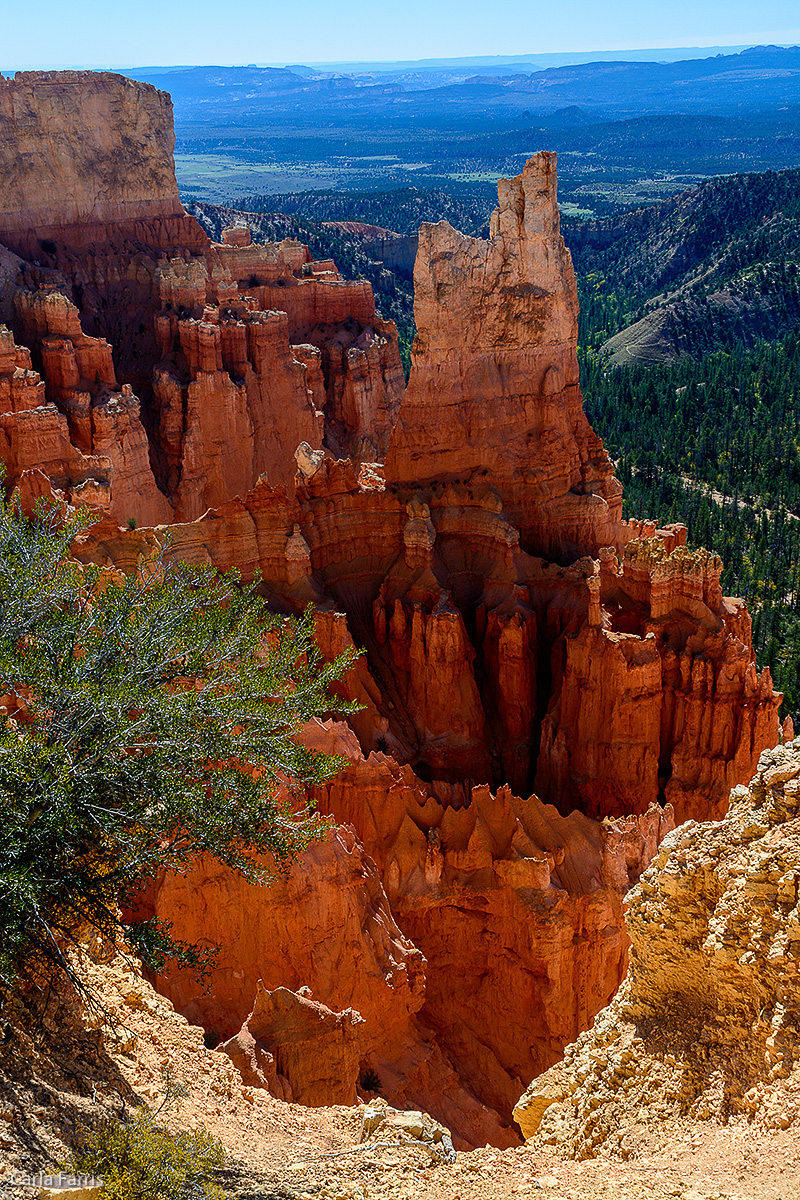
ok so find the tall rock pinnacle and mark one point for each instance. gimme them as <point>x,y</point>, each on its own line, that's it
<point>494,393</point>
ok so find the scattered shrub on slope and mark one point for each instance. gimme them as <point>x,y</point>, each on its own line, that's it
<point>145,720</point>
<point>138,1160</point>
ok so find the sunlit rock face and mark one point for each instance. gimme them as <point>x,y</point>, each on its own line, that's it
<point>229,356</point>
<point>495,373</point>
<point>545,688</point>
<point>706,1021</point>
<point>81,149</point>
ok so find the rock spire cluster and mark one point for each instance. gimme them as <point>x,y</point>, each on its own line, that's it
<point>546,688</point>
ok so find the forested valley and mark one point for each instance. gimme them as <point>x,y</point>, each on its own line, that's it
<point>714,443</point>
<point>689,348</point>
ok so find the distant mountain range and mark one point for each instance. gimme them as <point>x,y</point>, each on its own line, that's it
<point>498,63</point>
<point>761,77</point>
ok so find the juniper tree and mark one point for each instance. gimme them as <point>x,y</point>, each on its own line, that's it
<point>146,720</point>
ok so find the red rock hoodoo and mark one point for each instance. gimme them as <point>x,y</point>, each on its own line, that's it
<point>521,639</point>
<point>496,375</point>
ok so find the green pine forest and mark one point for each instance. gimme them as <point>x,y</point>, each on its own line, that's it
<point>714,442</point>
<point>708,431</point>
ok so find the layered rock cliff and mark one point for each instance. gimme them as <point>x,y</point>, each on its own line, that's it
<point>707,1021</point>
<point>458,930</point>
<point>81,150</point>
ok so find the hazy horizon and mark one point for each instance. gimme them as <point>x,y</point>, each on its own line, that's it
<point>92,35</point>
<point>555,58</point>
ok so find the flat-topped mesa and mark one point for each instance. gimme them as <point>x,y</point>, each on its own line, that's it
<point>239,352</point>
<point>82,149</point>
<point>494,390</point>
<point>90,202</point>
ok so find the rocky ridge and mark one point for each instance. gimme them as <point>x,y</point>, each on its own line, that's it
<point>518,635</point>
<point>706,1023</point>
<point>710,269</point>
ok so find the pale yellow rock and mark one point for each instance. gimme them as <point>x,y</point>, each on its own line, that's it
<point>388,1124</point>
<point>707,1021</point>
<point>780,774</point>
<point>308,461</point>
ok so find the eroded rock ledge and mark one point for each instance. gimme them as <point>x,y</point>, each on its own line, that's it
<point>707,1021</point>
<point>505,907</point>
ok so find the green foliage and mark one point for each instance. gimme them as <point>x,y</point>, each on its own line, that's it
<point>401,209</point>
<point>712,269</point>
<point>139,1160</point>
<point>713,439</point>
<point>715,443</point>
<point>736,227</point>
<point>155,720</point>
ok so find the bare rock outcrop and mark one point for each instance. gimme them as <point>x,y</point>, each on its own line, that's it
<point>102,419</point>
<point>517,910</point>
<point>512,940</point>
<point>82,149</point>
<point>495,373</point>
<point>298,1049</point>
<point>707,1021</point>
<point>39,457</point>
<point>231,355</point>
<point>319,945</point>
<point>662,684</point>
<point>601,685</point>
<point>262,351</point>
<point>415,1128</point>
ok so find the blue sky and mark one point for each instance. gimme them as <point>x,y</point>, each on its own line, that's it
<point>52,33</point>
